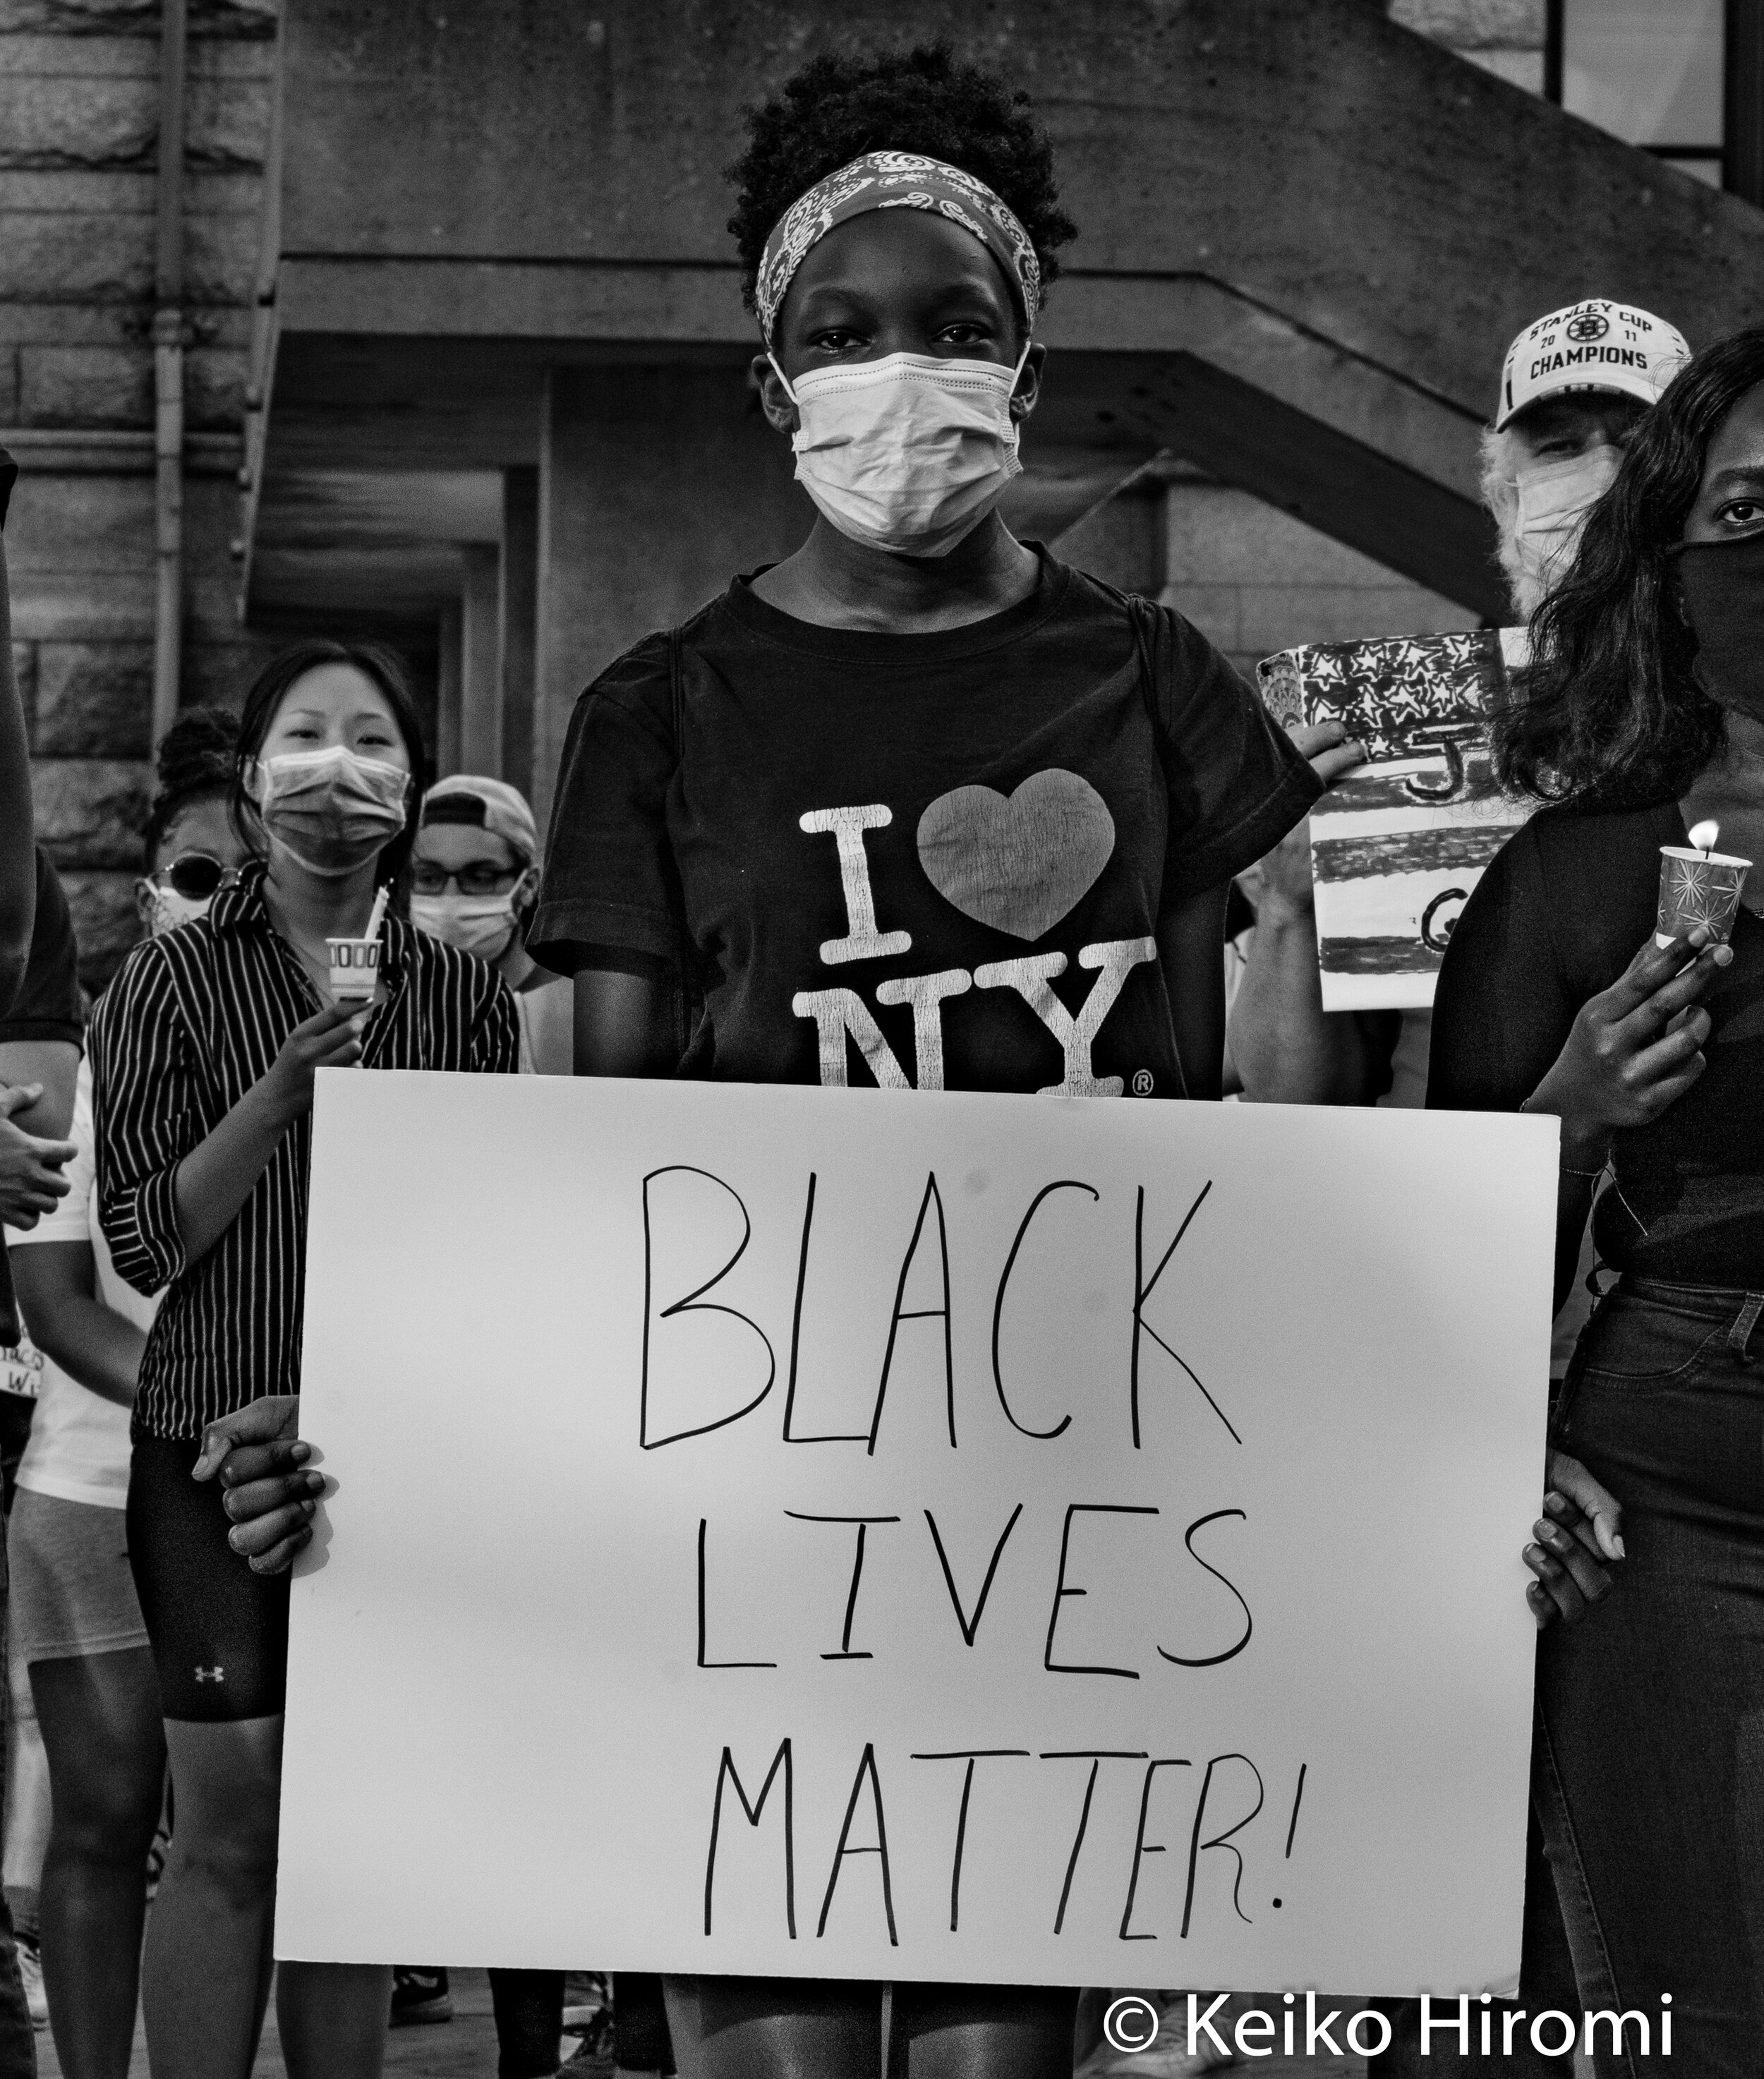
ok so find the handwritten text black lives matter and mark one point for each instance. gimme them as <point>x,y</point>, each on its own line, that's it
<point>1231,1806</point>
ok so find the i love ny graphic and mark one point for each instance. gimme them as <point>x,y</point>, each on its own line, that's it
<point>1019,863</point>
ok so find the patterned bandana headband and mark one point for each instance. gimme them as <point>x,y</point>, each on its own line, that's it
<point>896,180</point>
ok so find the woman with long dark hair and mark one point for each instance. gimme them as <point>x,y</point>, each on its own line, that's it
<point>204,1050</point>
<point>1644,715</point>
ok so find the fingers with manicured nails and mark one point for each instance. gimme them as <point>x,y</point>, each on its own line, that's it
<point>1542,1608</point>
<point>1589,1572</point>
<point>1653,967</point>
<point>1683,990</point>
<point>1566,1516</point>
<point>1594,1501</point>
<point>1563,1590</point>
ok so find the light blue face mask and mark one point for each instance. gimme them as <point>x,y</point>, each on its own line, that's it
<point>908,454</point>
<point>332,809</point>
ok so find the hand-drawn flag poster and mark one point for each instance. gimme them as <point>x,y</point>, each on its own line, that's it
<point>1397,846</point>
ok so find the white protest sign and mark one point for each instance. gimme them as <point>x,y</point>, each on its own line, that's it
<point>896,1535</point>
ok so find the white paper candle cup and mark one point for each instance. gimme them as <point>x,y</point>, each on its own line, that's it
<point>355,968</point>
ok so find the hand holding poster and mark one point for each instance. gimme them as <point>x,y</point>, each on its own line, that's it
<point>912,1536</point>
<point>1397,845</point>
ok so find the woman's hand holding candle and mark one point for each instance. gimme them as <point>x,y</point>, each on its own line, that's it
<point>1635,1049</point>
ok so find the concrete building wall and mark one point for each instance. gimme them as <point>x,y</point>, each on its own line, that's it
<point>79,105</point>
<point>1255,579</point>
<point>1505,37</point>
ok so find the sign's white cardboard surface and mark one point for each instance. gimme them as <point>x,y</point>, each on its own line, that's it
<point>612,1564</point>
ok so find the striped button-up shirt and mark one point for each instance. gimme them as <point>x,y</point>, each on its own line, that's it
<point>194,1019</point>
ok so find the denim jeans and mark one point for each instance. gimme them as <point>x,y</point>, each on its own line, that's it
<point>1650,1775</point>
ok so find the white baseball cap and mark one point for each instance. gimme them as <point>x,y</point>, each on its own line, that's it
<point>1595,344</point>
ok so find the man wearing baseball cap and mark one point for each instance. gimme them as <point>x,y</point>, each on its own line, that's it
<point>1572,387</point>
<point>474,873</point>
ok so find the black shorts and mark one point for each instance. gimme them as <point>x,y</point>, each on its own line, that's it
<point>219,1631</point>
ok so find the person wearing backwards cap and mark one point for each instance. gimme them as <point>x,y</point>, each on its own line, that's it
<point>474,875</point>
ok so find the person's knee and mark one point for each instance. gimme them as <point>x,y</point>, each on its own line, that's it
<point>108,1820</point>
<point>238,1858</point>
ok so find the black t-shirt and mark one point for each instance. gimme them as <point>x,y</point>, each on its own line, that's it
<point>936,861</point>
<point>48,1006</point>
<point>1562,909</point>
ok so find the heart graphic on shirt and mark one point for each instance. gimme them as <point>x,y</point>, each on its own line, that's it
<point>1018,862</point>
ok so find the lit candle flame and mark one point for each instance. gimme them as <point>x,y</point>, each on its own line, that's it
<point>1705,837</point>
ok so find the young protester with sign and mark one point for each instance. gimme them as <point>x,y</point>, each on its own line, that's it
<point>1644,714</point>
<point>75,1618</point>
<point>919,804</point>
<point>204,1049</point>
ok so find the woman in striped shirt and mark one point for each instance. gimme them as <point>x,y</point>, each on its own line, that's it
<point>203,1051</point>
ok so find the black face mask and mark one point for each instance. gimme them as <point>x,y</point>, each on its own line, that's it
<point>1721,589</point>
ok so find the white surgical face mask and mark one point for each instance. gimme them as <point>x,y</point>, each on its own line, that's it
<point>480,924</point>
<point>1554,498</point>
<point>331,810</point>
<point>167,909</point>
<point>909,452</point>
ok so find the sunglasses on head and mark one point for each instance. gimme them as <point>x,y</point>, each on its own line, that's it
<point>195,877</point>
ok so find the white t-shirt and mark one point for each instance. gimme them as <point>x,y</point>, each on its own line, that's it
<point>547,1017</point>
<point>79,1449</point>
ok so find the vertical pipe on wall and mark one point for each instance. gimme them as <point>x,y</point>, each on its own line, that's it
<point>1742,155</point>
<point>169,371</point>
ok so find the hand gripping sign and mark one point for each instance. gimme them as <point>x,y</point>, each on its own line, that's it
<point>872,1534</point>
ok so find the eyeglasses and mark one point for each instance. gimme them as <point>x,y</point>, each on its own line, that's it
<point>429,879</point>
<point>196,875</point>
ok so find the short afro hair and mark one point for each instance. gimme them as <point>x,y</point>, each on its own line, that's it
<point>194,763</point>
<point>923,100</point>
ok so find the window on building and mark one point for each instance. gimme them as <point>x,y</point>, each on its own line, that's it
<point>1648,71</point>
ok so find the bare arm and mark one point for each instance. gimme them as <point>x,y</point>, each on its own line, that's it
<point>1289,1050</point>
<point>55,1282</point>
<point>622,1025</point>
<point>18,854</point>
<point>36,1110</point>
<point>53,1065</point>
<point>1191,942</point>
